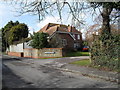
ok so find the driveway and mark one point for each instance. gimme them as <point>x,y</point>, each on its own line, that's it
<point>35,72</point>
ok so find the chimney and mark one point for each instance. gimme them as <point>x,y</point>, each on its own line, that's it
<point>69,28</point>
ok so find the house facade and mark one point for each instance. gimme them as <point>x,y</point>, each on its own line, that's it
<point>62,36</point>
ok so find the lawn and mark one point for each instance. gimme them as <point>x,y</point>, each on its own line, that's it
<point>78,53</point>
<point>84,62</point>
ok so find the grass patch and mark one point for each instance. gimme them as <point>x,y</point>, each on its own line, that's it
<point>85,62</point>
<point>78,53</point>
<point>51,58</point>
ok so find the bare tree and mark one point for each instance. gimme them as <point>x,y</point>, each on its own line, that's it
<point>106,12</point>
<point>44,7</point>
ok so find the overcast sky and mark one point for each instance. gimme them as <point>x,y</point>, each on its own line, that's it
<point>7,13</point>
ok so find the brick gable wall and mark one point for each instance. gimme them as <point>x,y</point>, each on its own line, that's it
<point>69,39</point>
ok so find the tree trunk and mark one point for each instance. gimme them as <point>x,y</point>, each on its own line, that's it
<point>106,19</point>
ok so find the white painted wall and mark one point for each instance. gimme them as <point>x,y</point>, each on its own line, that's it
<point>16,48</point>
<point>26,44</point>
<point>19,47</point>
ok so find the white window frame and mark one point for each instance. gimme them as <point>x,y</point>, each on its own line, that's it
<point>78,36</point>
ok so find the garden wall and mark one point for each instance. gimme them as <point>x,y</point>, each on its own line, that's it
<point>43,53</point>
<point>16,48</point>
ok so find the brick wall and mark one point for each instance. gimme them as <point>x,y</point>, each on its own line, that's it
<point>18,54</point>
<point>43,53</point>
<point>69,39</point>
<point>56,41</point>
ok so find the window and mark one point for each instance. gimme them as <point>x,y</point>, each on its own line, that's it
<point>76,45</point>
<point>78,36</point>
<point>96,33</point>
<point>64,42</point>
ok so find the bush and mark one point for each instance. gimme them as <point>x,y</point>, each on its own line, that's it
<point>39,40</point>
<point>104,52</point>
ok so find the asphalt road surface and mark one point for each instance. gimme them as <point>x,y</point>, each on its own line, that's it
<point>31,73</point>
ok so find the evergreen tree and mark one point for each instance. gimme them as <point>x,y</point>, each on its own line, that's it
<point>39,40</point>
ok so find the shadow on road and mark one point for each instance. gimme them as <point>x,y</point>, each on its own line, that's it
<point>8,58</point>
<point>10,80</point>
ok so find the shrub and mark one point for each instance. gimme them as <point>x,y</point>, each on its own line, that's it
<point>105,50</point>
<point>39,40</point>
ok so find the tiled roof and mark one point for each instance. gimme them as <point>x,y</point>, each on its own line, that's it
<point>50,28</point>
<point>74,30</point>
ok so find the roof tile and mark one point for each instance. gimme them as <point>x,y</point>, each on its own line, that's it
<point>50,28</point>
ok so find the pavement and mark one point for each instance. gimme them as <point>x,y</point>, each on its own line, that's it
<point>63,65</point>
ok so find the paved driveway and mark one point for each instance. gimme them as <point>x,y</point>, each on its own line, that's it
<point>34,71</point>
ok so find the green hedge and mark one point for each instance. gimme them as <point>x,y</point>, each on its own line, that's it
<point>105,52</point>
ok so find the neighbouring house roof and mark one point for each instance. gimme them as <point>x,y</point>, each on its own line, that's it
<point>50,28</point>
<point>97,29</point>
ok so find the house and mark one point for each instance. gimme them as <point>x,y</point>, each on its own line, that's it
<point>62,36</point>
<point>95,31</point>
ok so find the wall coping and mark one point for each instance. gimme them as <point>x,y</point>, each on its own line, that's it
<point>14,52</point>
<point>41,57</point>
<point>42,48</point>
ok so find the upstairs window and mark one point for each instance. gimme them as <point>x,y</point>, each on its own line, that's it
<point>78,36</point>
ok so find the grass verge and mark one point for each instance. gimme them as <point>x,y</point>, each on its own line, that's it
<point>87,63</point>
<point>84,62</point>
<point>78,53</point>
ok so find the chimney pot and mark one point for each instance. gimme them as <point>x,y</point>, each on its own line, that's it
<point>69,28</point>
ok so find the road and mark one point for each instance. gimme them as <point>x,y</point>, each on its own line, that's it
<point>32,73</point>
